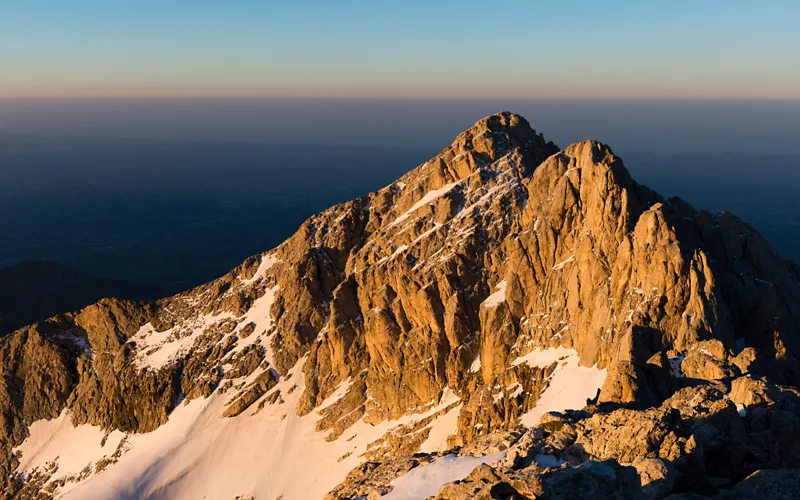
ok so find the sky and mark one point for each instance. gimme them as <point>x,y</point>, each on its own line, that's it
<point>732,49</point>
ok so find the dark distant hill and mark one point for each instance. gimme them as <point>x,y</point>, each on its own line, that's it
<point>34,290</point>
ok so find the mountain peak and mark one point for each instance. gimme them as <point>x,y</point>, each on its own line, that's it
<point>502,297</point>
<point>500,142</point>
<point>504,121</point>
<point>500,133</point>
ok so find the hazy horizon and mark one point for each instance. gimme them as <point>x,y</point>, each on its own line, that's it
<point>728,126</point>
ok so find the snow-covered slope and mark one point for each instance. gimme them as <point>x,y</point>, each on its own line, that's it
<point>200,454</point>
<point>264,452</point>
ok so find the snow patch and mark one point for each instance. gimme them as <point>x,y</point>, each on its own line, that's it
<point>425,481</point>
<point>675,365</point>
<point>563,263</point>
<point>427,233</point>
<point>570,384</point>
<point>73,448</point>
<point>547,460</point>
<point>267,261</point>
<point>514,390</point>
<point>157,349</point>
<point>476,364</point>
<point>497,297</point>
<point>429,197</point>
<point>441,428</point>
<point>399,250</point>
<point>544,357</point>
<point>339,393</point>
<point>741,409</point>
<point>259,314</point>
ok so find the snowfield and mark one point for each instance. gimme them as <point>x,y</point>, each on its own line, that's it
<point>570,384</point>
<point>425,481</point>
<point>200,454</point>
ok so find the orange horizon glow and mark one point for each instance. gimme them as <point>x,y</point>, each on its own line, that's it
<point>430,91</point>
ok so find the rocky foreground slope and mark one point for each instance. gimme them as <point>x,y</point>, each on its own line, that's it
<point>506,320</point>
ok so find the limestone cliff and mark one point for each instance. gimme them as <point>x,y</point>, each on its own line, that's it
<point>440,300</point>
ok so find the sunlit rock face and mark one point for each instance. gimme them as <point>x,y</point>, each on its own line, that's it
<point>526,319</point>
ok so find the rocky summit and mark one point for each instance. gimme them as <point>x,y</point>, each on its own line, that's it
<point>508,320</point>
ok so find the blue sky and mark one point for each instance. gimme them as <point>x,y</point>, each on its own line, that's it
<point>520,49</point>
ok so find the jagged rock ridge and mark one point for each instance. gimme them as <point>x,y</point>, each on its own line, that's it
<point>425,317</point>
